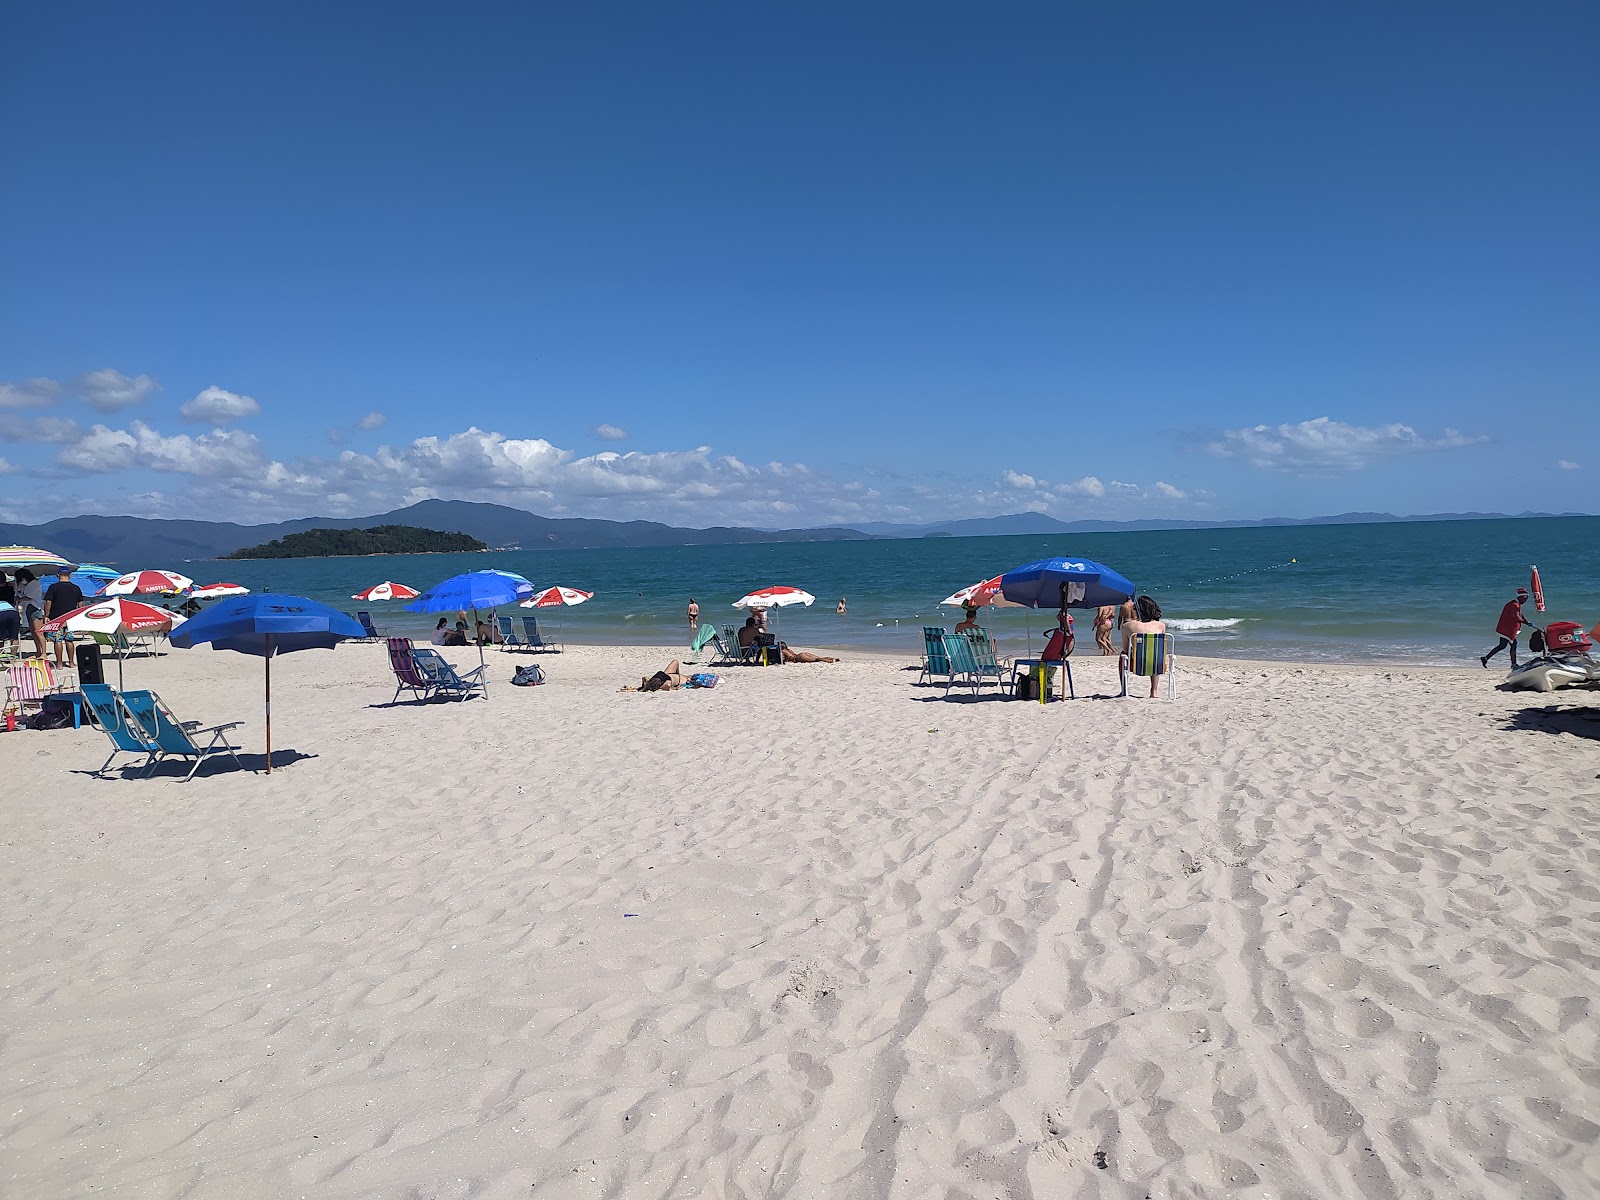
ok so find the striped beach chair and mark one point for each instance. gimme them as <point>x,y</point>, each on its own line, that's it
<point>1150,656</point>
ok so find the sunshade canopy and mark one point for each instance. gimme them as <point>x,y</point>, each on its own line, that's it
<point>266,624</point>
<point>144,583</point>
<point>1038,584</point>
<point>14,558</point>
<point>475,590</point>
<point>774,597</point>
<point>554,596</point>
<point>388,590</point>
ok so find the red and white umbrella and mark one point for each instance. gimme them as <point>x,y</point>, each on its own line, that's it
<point>774,597</point>
<point>387,590</point>
<point>551,597</point>
<point>114,617</point>
<point>979,594</point>
<point>138,583</point>
<point>216,591</point>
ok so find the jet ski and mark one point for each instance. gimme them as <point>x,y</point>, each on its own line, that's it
<point>1565,659</point>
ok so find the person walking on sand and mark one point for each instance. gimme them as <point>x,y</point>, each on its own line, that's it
<point>1104,616</point>
<point>694,614</point>
<point>1509,626</point>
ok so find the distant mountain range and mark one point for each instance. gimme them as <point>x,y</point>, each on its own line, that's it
<point>141,539</point>
<point>1040,523</point>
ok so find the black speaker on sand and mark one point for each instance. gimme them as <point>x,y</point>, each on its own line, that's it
<point>88,658</point>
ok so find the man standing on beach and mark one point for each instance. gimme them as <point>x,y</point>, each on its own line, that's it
<point>63,597</point>
<point>1509,626</point>
<point>694,614</point>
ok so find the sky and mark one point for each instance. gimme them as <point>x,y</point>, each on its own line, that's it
<point>793,265</point>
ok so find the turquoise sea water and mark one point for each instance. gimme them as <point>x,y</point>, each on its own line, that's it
<point>1419,593</point>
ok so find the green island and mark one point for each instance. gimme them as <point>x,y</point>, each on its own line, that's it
<point>380,539</point>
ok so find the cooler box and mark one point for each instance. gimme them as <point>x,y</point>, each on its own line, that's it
<point>1566,635</point>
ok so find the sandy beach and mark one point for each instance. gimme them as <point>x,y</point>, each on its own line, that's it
<point>1301,932</point>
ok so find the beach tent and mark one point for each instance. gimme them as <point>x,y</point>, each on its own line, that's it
<point>264,625</point>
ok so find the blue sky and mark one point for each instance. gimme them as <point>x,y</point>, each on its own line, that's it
<point>785,265</point>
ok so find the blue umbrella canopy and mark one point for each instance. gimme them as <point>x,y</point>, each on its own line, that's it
<point>475,590</point>
<point>91,577</point>
<point>266,624</point>
<point>1038,584</point>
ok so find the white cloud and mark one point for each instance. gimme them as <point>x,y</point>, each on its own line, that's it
<point>51,430</point>
<point>108,390</point>
<point>1015,479</point>
<point>221,452</point>
<point>1569,466</point>
<point>1167,492</point>
<point>5,467</point>
<point>219,406</point>
<point>1324,447</point>
<point>1087,486</point>
<point>610,433</point>
<point>30,393</point>
<point>373,420</point>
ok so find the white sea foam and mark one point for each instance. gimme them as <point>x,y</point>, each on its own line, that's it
<point>1196,624</point>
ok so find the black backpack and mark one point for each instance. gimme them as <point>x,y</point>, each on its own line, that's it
<point>54,713</point>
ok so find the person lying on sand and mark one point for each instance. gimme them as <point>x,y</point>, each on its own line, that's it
<point>663,680</point>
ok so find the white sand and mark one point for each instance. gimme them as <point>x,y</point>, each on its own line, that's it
<point>1301,932</point>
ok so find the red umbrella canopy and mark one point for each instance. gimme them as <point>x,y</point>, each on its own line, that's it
<point>980,594</point>
<point>774,597</point>
<point>216,591</point>
<point>115,616</point>
<point>136,583</point>
<point>387,590</point>
<point>551,597</point>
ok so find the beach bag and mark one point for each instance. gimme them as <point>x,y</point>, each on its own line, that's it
<point>702,679</point>
<point>1536,641</point>
<point>528,676</point>
<point>54,713</point>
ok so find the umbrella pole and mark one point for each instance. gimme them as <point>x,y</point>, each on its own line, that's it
<point>266,640</point>
<point>481,664</point>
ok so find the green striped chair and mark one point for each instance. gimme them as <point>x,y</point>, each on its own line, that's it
<point>1150,655</point>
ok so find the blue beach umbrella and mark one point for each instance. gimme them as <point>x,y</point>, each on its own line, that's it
<point>1038,584</point>
<point>265,624</point>
<point>91,577</point>
<point>474,590</point>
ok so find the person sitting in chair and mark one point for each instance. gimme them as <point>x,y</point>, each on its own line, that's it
<point>1147,620</point>
<point>750,635</point>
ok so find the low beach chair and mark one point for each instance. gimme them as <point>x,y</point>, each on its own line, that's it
<point>408,675</point>
<point>1150,655</point>
<point>436,669</point>
<point>963,665</point>
<point>985,664</point>
<point>508,635</point>
<point>934,659</point>
<point>117,643</point>
<point>175,738</point>
<point>128,735</point>
<point>29,681</point>
<point>364,619</point>
<point>532,638</point>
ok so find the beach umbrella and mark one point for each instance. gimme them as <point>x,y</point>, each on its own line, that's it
<point>1537,587</point>
<point>14,558</point>
<point>91,577</point>
<point>266,624</point>
<point>553,596</point>
<point>475,590</point>
<point>1038,584</point>
<point>388,590</point>
<point>218,591</point>
<point>142,583</point>
<point>779,596</point>
<point>980,594</point>
<point>558,597</point>
<point>113,617</point>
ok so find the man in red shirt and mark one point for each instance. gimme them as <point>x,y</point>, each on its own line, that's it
<point>1509,626</point>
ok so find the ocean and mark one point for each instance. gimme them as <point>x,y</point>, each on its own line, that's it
<point>1416,593</point>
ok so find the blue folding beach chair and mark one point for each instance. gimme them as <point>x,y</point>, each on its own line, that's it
<point>985,664</point>
<point>364,619</point>
<point>176,738</point>
<point>127,734</point>
<point>532,638</point>
<point>508,635</point>
<point>436,669</point>
<point>935,661</point>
